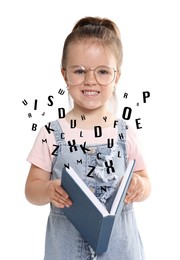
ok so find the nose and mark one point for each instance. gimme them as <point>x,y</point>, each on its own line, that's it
<point>89,77</point>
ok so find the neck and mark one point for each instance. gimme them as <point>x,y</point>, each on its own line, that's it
<point>87,119</point>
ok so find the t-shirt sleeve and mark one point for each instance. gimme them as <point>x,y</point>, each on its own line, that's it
<point>135,149</point>
<point>41,152</point>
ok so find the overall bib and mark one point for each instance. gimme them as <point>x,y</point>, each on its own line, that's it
<point>63,241</point>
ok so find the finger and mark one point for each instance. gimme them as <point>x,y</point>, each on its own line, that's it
<point>61,191</point>
<point>63,198</point>
<point>57,204</point>
<point>57,197</point>
<point>136,196</point>
<point>60,201</point>
<point>62,195</point>
<point>132,186</point>
<point>127,199</point>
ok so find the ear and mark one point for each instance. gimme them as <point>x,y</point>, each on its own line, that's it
<point>63,72</point>
<point>118,75</point>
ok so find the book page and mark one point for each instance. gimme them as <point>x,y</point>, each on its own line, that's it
<point>123,186</point>
<point>87,191</point>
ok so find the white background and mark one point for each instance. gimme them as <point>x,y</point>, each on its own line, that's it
<point>32,35</point>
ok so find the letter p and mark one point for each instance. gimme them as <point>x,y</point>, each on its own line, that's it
<point>146,94</point>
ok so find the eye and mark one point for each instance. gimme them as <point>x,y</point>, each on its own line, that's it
<point>102,71</point>
<point>79,71</point>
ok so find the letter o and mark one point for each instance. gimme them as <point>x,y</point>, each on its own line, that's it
<point>127,113</point>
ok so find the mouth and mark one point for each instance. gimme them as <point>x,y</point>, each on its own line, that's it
<point>90,93</point>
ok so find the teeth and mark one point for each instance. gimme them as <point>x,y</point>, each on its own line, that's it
<point>90,93</point>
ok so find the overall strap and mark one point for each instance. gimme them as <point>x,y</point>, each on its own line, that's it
<point>58,137</point>
<point>122,129</point>
<point>57,132</point>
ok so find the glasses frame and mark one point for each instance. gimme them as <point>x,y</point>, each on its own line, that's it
<point>90,69</point>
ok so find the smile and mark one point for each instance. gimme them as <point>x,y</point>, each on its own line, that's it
<point>90,93</point>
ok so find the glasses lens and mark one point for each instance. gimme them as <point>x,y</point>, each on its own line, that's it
<point>75,75</point>
<point>104,75</point>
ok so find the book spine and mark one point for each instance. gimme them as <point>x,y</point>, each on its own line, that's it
<point>104,234</point>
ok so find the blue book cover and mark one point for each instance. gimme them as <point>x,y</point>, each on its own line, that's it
<point>89,216</point>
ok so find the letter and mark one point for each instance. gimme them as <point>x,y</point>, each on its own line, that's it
<point>61,91</point>
<point>146,94</point>
<point>24,102</point>
<point>103,188</point>
<point>84,149</point>
<point>62,135</point>
<point>55,150</point>
<point>89,174</point>
<point>43,113</point>
<point>44,140</point>
<point>125,95</point>
<point>48,128</point>
<point>79,161</point>
<point>99,158</point>
<point>71,123</point>
<point>119,154</point>
<point>121,136</point>
<point>34,127</point>
<point>71,146</point>
<point>83,117</point>
<point>51,102</point>
<point>63,112</point>
<point>109,166</point>
<point>115,123</point>
<point>29,115</point>
<point>127,113</point>
<point>81,135</point>
<point>105,118</point>
<point>138,123</point>
<point>96,132</point>
<point>35,104</point>
<point>110,145</point>
<point>67,166</point>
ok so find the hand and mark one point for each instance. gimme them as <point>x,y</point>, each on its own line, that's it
<point>135,190</point>
<point>57,195</point>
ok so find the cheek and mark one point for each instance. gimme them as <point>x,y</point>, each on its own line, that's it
<point>73,91</point>
<point>108,90</point>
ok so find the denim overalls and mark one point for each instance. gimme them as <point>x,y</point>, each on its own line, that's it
<point>100,167</point>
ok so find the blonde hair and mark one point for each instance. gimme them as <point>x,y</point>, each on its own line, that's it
<point>101,30</point>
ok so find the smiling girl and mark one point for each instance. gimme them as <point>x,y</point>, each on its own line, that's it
<point>91,67</point>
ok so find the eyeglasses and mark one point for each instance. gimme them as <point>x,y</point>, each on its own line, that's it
<point>103,74</point>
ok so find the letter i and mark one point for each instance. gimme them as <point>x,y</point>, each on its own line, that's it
<point>35,104</point>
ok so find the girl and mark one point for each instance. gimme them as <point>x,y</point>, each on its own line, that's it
<point>90,139</point>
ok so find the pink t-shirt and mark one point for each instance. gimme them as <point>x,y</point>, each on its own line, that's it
<point>44,145</point>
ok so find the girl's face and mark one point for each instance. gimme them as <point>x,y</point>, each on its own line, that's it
<point>90,94</point>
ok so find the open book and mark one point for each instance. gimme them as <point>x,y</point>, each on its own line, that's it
<point>89,216</point>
